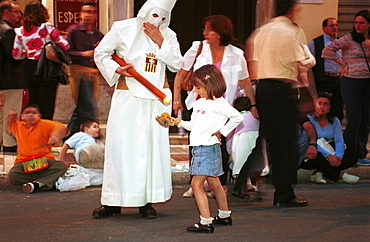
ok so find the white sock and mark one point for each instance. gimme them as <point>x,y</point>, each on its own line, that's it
<point>40,183</point>
<point>224,214</point>
<point>205,221</point>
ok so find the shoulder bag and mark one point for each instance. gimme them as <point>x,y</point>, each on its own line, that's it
<point>52,61</point>
<point>367,62</point>
<point>186,84</point>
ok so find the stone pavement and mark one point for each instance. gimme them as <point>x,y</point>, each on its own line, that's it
<point>179,162</point>
<point>336,212</point>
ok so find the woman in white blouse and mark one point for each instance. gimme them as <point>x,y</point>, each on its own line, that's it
<point>217,50</point>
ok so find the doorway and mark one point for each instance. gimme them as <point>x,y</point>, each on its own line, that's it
<point>187,18</point>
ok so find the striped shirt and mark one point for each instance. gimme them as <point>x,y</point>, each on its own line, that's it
<point>352,56</point>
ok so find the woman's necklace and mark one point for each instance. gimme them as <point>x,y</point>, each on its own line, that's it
<point>217,53</point>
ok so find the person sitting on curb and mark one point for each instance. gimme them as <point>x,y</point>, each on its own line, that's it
<point>35,167</point>
<point>88,148</point>
<point>332,157</point>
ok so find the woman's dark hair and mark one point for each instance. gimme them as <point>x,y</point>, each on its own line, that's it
<point>242,104</point>
<point>357,37</point>
<point>223,26</point>
<point>34,14</point>
<point>328,95</point>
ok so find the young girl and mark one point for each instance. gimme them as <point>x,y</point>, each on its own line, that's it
<point>244,136</point>
<point>243,141</point>
<point>209,121</point>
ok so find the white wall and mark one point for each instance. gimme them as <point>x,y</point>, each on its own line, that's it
<point>311,16</point>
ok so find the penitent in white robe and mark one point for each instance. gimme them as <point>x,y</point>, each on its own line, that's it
<point>137,167</point>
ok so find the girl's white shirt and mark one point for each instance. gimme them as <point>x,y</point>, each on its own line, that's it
<point>208,117</point>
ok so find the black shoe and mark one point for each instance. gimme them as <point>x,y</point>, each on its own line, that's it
<point>238,193</point>
<point>147,211</point>
<point>222,221</point>
<point>105,211</point>
<point>10,149</point>
<point>200,228</point>
<point>292,203</point>
<point>255,198</point>
<point>30,187</point>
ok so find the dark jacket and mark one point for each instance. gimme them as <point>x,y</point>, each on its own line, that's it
<point>11,71</point>
<point>319,68</point>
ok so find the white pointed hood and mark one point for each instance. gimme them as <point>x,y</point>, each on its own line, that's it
<point>143,49</point>
<point>160,8</point>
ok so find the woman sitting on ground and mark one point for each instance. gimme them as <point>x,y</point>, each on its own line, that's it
<point>332,158</point>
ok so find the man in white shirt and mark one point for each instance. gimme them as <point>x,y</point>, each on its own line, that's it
<point>276,50</point>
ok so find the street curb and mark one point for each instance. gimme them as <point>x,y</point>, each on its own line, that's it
<point>183,178</point>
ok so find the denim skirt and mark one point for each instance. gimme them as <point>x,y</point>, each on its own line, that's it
<point>206,161</point>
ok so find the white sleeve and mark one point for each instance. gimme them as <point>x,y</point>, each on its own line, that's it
<point>311,47</point>
<point>235,118</point>
<point>310,61</point>
<point>169,53</point>
<point>188,125</point>
<point>189,57</point>
<point>103,55</point>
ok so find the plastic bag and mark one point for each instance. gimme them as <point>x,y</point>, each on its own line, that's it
<point>78,177</point>
<point>73,183</point>
<point>95,176</point>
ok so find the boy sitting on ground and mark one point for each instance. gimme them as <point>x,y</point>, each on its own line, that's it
<point>35,166</point>
<point>88,148</point>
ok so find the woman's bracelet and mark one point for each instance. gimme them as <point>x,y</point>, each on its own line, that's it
<point>176,102</point>
<point>253,105</point>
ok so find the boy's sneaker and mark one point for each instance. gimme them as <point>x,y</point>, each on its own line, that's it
<point>30,187</point>
<point>363,162</point>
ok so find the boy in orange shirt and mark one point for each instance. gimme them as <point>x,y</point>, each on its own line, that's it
<point>35,137</point>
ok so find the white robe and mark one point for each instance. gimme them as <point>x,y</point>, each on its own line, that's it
<point>137,167</point>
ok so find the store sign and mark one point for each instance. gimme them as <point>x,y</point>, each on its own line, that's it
<point>66,13</point>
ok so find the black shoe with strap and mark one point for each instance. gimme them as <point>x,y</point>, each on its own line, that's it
<point>222,221</point>
<point>200,228</point>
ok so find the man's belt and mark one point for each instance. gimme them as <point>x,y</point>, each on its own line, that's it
<point>332,74</point>
<point>123,86</point>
